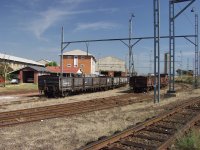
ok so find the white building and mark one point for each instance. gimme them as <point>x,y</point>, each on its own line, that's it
<point>17,62</point>
<point>111,66</point>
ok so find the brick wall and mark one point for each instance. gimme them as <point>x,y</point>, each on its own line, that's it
<point>36,77</point>
<point>84,63</point>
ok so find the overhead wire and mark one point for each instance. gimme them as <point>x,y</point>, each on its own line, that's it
<point>186,16</point>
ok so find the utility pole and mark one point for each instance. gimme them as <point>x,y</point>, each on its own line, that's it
<point>196,50</point>
<point>181,63</point>
<point>131,63</point>
<point>156,51</point>
<point>61,60</point>
<point>196,61</point>
<point>150,62</point>
<point>187,66</point>
<point>172,17</point>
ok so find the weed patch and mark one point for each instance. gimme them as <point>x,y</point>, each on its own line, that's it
<point>190,141</point>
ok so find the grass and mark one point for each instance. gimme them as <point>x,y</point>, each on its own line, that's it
<point>185,79</point>
<point>23,87</point>
<point>189,142</point>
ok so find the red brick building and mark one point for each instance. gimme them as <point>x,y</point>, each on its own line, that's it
<point>80,59</point>
<point>66,71</point>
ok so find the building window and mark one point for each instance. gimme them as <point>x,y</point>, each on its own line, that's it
<point>75,61</point>
<point>82,57</point>
<point>68,65</point>
<point>82,65</point>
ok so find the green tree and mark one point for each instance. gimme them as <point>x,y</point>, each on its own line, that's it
<point>4,69</point>
<point>53,63</point>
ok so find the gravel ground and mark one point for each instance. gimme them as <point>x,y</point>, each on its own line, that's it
<point>42,101</point>
<point>70,133</point>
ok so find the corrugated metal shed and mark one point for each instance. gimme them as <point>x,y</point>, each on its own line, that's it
<point>36,68</point>
<point>39,69</point>
<point>19,59</point>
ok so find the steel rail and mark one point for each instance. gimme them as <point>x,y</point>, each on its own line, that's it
<point>62,110</point>
<point>68,109</point>
<point>181,132</point>
<point>114,138</point>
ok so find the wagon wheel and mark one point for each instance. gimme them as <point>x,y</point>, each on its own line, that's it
<point>106,88</point>
<point>148,89</point>
<point>46,93</point>
<point>56,94</point>
<point>65,94</point>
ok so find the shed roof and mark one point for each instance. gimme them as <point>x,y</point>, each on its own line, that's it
<point>19,59</point>
<point>36,68</point>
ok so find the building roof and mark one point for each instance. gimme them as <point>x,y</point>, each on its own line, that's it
<point>19,59</point>
<point>44,61</point>
<point>77,52</point>
<point>57,69</point>
<point>111,58</point>
<point>36,68</point>
<point>39,69</point>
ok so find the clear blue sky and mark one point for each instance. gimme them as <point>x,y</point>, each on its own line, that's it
<point>32,28</point>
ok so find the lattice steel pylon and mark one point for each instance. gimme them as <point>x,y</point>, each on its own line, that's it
<point>131,61</point>
<point>171,47</point>
<point>156,51</point>
<point>172,18</point>
<point>196,52</point>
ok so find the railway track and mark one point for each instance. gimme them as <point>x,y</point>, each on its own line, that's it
<point>157,133</point>
<point>63,110</point>
<point>40,98</point>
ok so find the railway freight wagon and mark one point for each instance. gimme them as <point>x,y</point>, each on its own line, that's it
<point>141,83</point>
<point>53,86</point>
<point>164,80</point>
<point>146,83</point>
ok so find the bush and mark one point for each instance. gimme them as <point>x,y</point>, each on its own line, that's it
<point>190,141</point>
<point>185,79</point>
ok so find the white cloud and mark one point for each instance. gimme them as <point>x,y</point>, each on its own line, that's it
<point>96,26</point>
<point>46,19</point>
<point>39,22</point>
<point>50,17</point>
